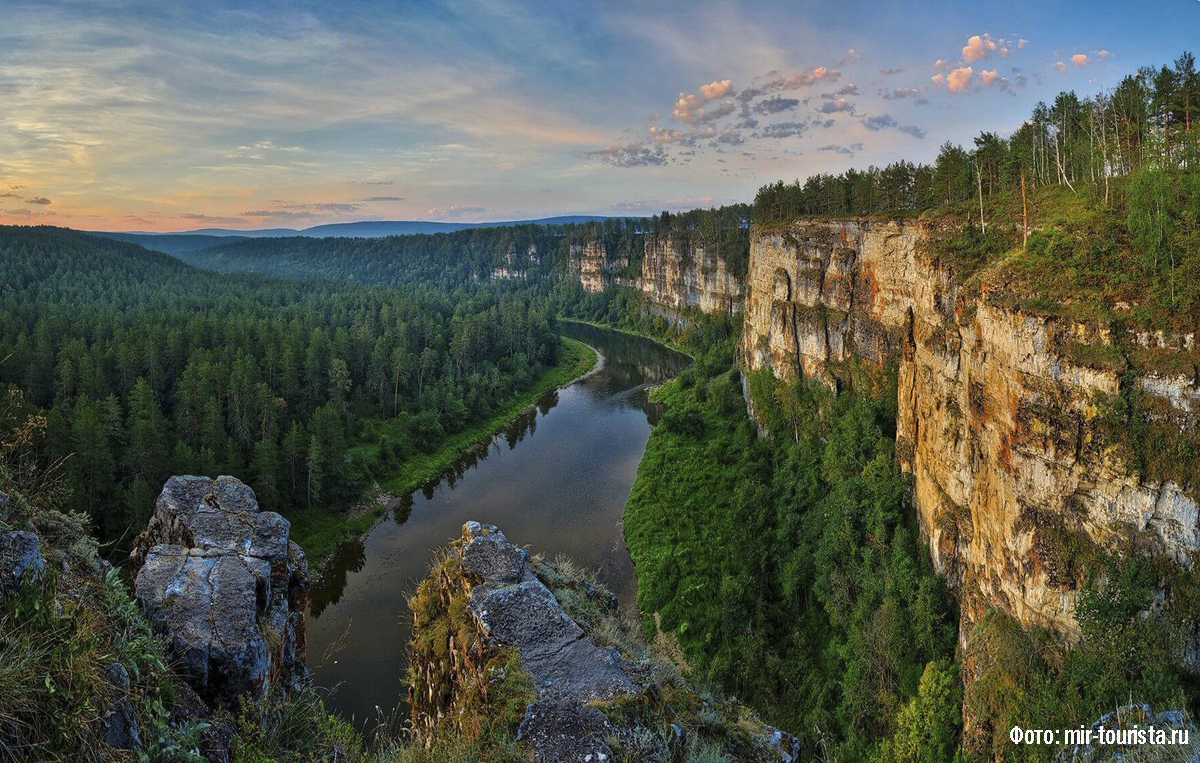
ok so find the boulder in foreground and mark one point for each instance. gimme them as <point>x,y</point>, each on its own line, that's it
<point>226,586</point>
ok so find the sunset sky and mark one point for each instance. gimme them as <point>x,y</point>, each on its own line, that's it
<point>173,116</point>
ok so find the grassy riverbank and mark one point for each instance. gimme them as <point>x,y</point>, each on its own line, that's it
<point>319,531</point>
<point>657,338</point>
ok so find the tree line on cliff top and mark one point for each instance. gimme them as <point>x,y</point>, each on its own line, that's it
<point>1099,195</point>
<point>1145,122</point>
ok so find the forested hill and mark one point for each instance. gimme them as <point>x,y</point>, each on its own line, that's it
<point>171,243</point>
<point>457,259</point>
<point>44,249</point>
<point>136,366</point>
<point>444,260</point>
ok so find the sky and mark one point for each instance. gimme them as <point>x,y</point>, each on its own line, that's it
<point>166,116</point>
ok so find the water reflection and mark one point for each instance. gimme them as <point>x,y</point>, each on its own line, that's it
<point>559,486</point>
<point>347,558</point>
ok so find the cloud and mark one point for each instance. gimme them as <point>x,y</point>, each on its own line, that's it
<point>383,198</point>
<point>837,105</point>
<point>665,135</point>
<point>782,130</point>
<point>844,150</point>
<point>887,121</point>
<point>379,182</point>
<point>329,206</point>
<point>715,89</point>
<point>851,57</point>
<point>1080,60</point>
<point>686,107</point>
<point>10,195</point>
<point>1060,66</point>
<point>776,105</point>
<point>890,71</point>
<point>793,81</point>
<point>39,200</point>
<point>941,63</point>
<point>901,93</point>
<point>847,89</point>
<point>938,79</point>
<point>688,110</point>
<point>922,101</point>
<point>636,154</point>
<point>959,80</point>
<point>988,78</point>
<point>1022,43</point>
<point>720,112</point>
<point>730,137</point>
<point>978,48</point>
<point>746,123</point>
<point>1102,54</point>
<point>302,210</point>
<point>198,217</point>
<point>263,147</point>
<point>455,211</point>
<point>878,123</point>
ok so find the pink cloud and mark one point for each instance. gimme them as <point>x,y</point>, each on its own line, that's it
<point>978,48</point>
<point>959,79</point>
<point>1080,60</point>
<point>941,63</point>
<point>989,77</point>
<point>1102,54</point>
<point>938,78</point>
<point>1022,43</point>
<point>685,108</point>
<point>715,89</point>
<point>1060,66</point>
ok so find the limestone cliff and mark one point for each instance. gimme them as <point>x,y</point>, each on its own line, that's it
<point>515,265</point>
<point>677,273</point>
<point>999,426</point>
<point>589,263</point>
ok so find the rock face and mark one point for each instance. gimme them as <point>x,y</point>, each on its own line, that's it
<point>569,671</point>
<point>20,554</point>
<point>510,637</point>
<point>517,265</point>
<point>997,425</point>
<point>589,262</point>
<point>226,586</point>
<point>678,274</point>
<point>119,724</point>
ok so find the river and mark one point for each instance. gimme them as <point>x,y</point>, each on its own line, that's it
<point>556,480</point>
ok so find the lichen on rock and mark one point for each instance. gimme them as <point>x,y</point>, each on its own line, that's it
<point>225,585</point>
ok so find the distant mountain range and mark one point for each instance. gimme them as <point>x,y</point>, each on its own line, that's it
<point>202,238</point>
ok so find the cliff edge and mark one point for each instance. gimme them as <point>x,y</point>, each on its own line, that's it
<point>1008,417</point>
<point>534,653</point>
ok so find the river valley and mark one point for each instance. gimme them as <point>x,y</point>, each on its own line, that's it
<point>557,478</point>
